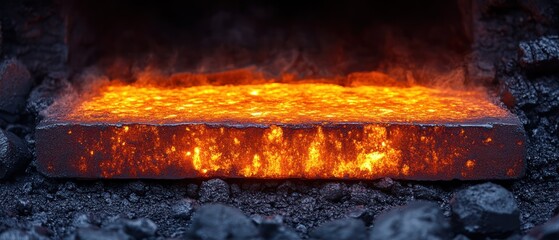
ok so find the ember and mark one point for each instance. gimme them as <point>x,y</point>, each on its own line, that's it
<point>276,130</point>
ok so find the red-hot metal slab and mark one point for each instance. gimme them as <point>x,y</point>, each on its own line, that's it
<point>274,130</point>
<point>493,149</point>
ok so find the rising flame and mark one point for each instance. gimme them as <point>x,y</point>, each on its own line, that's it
<point>279,130</point>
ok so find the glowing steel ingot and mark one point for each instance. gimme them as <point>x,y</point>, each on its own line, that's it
<point>282,131</point>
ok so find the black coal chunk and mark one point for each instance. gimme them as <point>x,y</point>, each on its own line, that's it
<point>182,209</point>
<point>485,210</point>
<point>42,96</point>
<point>100,234</point>
<point>516,90</point>
<point>341,229</point>
<point>14,154</point>
<point>416,220</point>
<point>214,190</point>
<point>541,54</point>
<point>217,221</point>
<point>140,228</point>
<point>547,231</point>
<point>15,84</point>
<point>333,192</point>
<point>24,207</point>
<point>272,227</point>
<point>16,234</point>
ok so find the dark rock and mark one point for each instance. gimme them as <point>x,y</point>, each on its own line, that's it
<point>556,210</point>
<point>216,222</point>
<point>541,54</point>
<point>285,188</point>
<point>460,237</point>
<point>24,207</point>
<point>516,90</point>
<point>426,193</point>
<point>15,84</point>
<point>548,95</point>
<point>27,188</point>
<point>333,192</point>
<point>308,204</point>
<point>400,190</point>
<point>416,220</point>
<point>42,232</point>
<point>183,208</point>
<point>192,190</point>
<point>273,228</point>
<point>83,220</point>
<point>547,231</point>
<point>133,198</point>
<point>15,234</point>
<point>138,187</point>
<point>42,96</point>
<point>362,213</point>
<point>341,229</point>
<point>542,11</point>
<point>235,189</point>
<point>14,154</point>
<point>140,228</point>
<point>485,209</point>
<point>214,190</point>
<point>301,228</point>
<point>18,129</point>
<point>359,194</point>
<point>380,197</point>
<point>100,234</point>
<point>384,184</point>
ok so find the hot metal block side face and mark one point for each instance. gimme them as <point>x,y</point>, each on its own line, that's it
<point>274,130</point>
<point>344,151</point>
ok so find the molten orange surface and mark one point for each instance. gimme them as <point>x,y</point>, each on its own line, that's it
<point>275,130</point>
<point>276,103</point>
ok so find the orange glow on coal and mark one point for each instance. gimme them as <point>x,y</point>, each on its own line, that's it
<point>284,130</point>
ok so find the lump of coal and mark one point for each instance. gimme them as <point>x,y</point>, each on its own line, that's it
<point>541,11</point>
<point>333,192</point>
<point>272,228</point>
<point>214,190</point>
<point>138,187</point>
<point>100,234</point>
<point>516,90</point>
<point>485,209</point>
<point>15,234</point>
<point>416,220</point>
<point>15,84</point>
<point>384,184</point>
<point>541,54</point>
<point>217,222</point>
<point>341,229</point>
<point>192,190</point>
<point>24,207</point>
<point>14,154</point>
<point>140,228</point>
<point>42,96</point>
<point>547,231</point>
<point>183,208</point>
